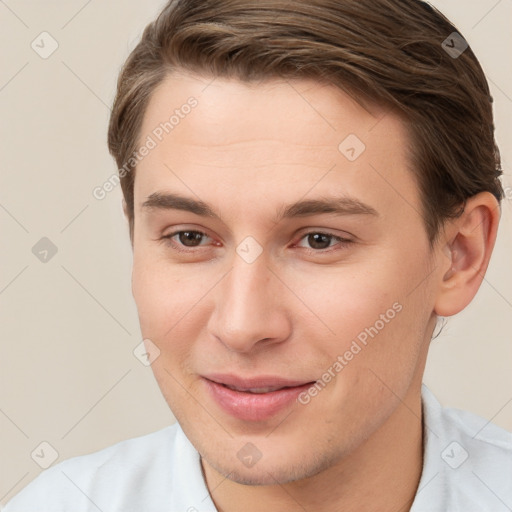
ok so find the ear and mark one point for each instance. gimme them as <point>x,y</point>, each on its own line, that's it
<point>468,243</point>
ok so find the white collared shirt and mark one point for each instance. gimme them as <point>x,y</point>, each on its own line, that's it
<point>467,467</point>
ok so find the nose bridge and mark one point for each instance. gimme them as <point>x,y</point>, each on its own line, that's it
<point>249,307</point>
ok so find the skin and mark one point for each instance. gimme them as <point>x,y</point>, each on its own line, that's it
<point>247,151</point>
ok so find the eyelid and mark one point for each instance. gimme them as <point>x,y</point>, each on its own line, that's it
<point>326,231</point>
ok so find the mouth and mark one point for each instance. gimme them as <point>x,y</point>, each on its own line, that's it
<point>256,391</point>
<point>254,399</point>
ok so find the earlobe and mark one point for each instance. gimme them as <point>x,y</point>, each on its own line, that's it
<point>468,248</point>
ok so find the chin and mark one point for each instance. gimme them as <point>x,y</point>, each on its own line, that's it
<point>271,473</point>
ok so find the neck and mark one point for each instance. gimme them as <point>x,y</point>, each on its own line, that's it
<point>381,474</point>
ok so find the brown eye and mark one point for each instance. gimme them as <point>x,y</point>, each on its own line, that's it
<point>180,240</point>
<point>190,238</point>
<point>321,242</point>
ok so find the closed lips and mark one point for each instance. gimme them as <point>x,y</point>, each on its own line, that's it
<point>256,385</point>
<point>254,399</point>
<point>257,390</point>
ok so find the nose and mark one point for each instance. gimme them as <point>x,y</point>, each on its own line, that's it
<point>250,308</point>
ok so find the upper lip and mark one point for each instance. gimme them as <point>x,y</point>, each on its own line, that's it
<point>261,381</point>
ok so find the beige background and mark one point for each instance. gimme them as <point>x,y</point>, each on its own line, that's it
<point>67,372</point>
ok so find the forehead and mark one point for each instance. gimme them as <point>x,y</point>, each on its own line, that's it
<point>314,113</point>
<point>273,138</point>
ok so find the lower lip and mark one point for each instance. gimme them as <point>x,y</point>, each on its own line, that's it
<point>254,406</point>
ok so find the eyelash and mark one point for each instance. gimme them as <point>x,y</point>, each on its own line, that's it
<point>342,242</point>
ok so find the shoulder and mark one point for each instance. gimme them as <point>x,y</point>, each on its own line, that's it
<point>468,459</point>
<point>482,443</point>
<point>93,481</point>
<point>485,456</point>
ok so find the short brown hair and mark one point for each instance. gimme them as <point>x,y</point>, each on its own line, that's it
<point>387,51</point>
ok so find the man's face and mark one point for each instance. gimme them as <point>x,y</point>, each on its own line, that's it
<point>266,300</point>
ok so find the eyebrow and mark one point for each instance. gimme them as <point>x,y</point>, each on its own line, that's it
<point>343,205</point>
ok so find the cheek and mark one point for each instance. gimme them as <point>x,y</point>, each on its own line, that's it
<point>346,300</point>
<point>160,297</point>
<point>170,300</point>
<point>376,311</point>
<point>165,309</point>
